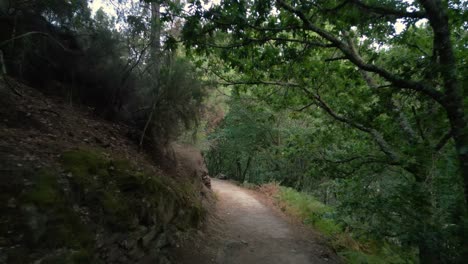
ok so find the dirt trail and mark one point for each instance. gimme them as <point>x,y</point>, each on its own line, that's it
<point>246,231</point>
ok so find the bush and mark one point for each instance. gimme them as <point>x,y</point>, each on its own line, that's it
<point>324,219</point>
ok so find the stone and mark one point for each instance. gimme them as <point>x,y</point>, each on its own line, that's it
<point>164,260</point>
<point>162,241</point>
<point>146,239</point>
<point>136,253</point>
<point>113,239</point>
<point>114,254</point>
<point>12,203</point>
<point>128,243</point>
<point>154,254</point>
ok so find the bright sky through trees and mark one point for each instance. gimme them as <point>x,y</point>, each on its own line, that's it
<point>108,7</point>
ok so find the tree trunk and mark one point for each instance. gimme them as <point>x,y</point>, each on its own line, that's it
<point>156,33</point>
<point>155,59</point>
<point>2,64</point>
<point>246,168</point>
<point>452,101</point>
<point>238,170</point>
<point>426,255</point>
<point>453,92</point>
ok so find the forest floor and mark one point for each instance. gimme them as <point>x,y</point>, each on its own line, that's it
<point>245,228</point>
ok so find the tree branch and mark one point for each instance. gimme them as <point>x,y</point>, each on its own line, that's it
<point>387,11</point>
<point>443,141</point>
<point>378,138</point>
<point>356,59</point>
<point>250,41</point>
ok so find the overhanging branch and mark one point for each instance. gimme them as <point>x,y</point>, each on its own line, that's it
<point>357,60</point>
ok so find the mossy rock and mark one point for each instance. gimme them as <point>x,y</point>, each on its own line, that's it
<point>44,191</point>
<point>122,192</point>
<point>116,196</point>
<point>71,257</point>
<point>85,166</point>
<point>63,226</point>
<point>43,219</point>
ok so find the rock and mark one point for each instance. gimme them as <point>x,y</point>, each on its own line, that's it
<point>98,140</point>
<point>145,240</point>
<point>153,255</point>
<point>113,239</point>
<point>221,176</point>
<point>114,255</point>
<point>124,260</point>
<point>36,221</point>
<point>140,231</point>
<point>12,203</point>
<point>162,241</point>
<point>164,260</point>
<point>128,243</point>
<point>136,253</point>
<point>206,181</point>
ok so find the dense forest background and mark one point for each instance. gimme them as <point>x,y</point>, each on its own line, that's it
<point>126,67</point>
<point>360,103</point>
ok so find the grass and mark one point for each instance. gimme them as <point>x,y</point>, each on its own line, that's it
<point>323,219</point>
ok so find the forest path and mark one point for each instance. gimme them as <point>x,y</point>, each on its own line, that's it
<point>246,230</point>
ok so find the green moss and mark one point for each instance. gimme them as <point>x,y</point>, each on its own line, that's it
<point>70,257</point>
<point>84,165</point>
<point>111,202</point>
<point>198,214</point>
<point>44,190</point>
<point>83,257</point>
<point>117,209</point>
<point>66,229</point>
<point>121,167</point>
<point>113,192</point>
<point>115,187</point>
<point>49,220</point>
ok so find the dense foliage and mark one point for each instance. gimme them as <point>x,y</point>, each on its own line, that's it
<point>360,102</point>
<point>126,67</point>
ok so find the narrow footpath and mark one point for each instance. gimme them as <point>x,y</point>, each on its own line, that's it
<point>245,230</point>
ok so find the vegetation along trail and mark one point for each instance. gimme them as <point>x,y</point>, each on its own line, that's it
<point>247,231</point>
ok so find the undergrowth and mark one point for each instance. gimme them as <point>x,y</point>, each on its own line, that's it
<point>323,218</point>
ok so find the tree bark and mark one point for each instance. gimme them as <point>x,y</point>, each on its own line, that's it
<point>155,57</point>
<point>453,92</point>
<point>156,33</point>
<point>244,173</point>
<point>452,101</point>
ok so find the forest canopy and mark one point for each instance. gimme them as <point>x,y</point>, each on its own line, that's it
<point>361,103</point>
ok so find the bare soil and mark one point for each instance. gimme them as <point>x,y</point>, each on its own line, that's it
<point>245,229</point>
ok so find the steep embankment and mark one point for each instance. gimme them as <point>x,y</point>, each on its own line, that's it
<point>246,230</point>
<point>75,189</point>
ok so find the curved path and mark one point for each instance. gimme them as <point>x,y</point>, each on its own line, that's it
<point>246,231</point>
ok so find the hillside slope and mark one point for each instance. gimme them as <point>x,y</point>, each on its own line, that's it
<point>75,189</point>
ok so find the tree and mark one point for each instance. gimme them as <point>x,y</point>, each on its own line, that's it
<point>293,44</point>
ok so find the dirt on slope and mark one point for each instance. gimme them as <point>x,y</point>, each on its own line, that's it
<point>76,189</point>
<point>245,230</point>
